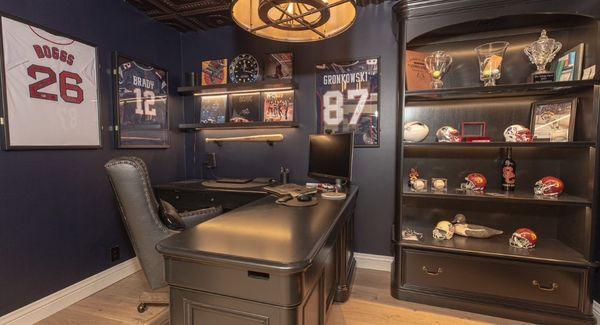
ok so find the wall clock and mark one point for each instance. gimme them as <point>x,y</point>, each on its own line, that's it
<point>244,68</point>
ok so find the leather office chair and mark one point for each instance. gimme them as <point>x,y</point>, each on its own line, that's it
<point>142,218</point>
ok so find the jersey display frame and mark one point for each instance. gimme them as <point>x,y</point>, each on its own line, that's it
<point>50,88</point>
<point>347,95</point>
<point>141,103</point>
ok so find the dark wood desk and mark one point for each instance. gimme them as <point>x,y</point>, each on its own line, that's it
<point>262,263</point>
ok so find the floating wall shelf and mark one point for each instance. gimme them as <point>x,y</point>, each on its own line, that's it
<point>260,86</point>
<point>226,126</point>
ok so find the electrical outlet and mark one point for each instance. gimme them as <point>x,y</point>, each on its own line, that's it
<point>211,160</point>
<point>115,254</point>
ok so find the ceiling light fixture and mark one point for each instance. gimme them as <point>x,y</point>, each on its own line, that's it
<point>294,20</point>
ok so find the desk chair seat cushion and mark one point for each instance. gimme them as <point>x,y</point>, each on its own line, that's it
<point>175,220</point>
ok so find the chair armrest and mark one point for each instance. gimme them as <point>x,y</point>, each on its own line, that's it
<point>192,218</point>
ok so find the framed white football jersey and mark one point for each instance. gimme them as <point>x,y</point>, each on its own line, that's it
<point>51,89</point>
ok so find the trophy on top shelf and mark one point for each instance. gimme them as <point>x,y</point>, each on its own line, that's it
<point>437,64</point>
<point>490,57</point>
<point>540,53</point>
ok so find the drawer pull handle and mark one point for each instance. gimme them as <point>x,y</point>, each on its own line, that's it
<point>433,273</point>
<point>537,284</point>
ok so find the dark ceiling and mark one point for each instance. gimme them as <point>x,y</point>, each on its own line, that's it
<point>193,15</point>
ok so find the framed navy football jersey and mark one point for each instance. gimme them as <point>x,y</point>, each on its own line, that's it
<point>142,104</point>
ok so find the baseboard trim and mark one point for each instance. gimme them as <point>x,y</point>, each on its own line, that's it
<point>38,310</point>
<point>374,262</point>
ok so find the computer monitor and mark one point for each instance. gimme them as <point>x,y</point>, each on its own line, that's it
<point>331,156</point>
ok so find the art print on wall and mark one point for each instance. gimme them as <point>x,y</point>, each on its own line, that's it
<point>213,109</point>
<point>142,104</point>
<point>244,108</point>
<point>50,86</point>
<point>348,99</point>
<point>553,120</point>
<point>214,72</point>
<point>278,106</point>
<point>279,66</point>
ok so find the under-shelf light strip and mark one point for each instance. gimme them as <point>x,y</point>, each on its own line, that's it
<point>243,91</point>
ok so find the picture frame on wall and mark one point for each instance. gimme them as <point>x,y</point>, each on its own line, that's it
<point>278,106</point>
<point>569,65</point>
<point>244,108</point>
<point>49,88</point>
<point>213,109</point>
<point>214,72</point>
<point>348,98</point>
<point>142,104</point>
<point>553,120</point>
<point>279,66</point>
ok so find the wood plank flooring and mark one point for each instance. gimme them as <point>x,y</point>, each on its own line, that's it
<point>369,304</point>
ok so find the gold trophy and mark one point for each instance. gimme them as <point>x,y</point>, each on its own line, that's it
<point>540,53</point>
<point>437,64</point>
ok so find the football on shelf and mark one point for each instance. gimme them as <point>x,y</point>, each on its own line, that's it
<point>415,131</point>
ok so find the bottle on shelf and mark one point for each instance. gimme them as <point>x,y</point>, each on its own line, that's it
<point>508,170</point>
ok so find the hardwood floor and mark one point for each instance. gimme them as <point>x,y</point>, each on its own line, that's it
<point>370,304</point>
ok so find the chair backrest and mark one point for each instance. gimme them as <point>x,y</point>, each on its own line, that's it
<point>139,210</point>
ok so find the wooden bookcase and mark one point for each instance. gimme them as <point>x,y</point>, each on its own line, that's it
<point>552,283</point>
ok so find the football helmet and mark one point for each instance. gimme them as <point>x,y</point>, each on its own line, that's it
<point>523,238</point>
<point>475,182</point>
<point>549,186</point>
<point>443,230</point>
<point>518,133</point>
<point>415,131</point>
<point>447,134</point>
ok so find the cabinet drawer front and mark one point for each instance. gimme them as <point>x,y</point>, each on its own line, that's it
<point>546,284</point>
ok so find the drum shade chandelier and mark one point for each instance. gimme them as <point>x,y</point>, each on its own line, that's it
<point>294,20</point>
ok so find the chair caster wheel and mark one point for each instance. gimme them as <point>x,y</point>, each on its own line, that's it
<point>141,308</point>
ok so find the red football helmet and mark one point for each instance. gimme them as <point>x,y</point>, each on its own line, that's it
<point>475,182</point>
<point>549,186</point>
<point>523,238</point>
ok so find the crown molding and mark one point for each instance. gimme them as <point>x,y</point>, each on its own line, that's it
<point>410,9</point>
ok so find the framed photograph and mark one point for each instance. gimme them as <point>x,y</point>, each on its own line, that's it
<point>50,88</point>
<point>553,120</point>
<point>569,66</point>
<point>244,108</point>
<point>213,109</point>
<point>348,99</point>
<point>279,66</point>
<point>278,106</point>
<point>214,72</point>
<point>141,104</point>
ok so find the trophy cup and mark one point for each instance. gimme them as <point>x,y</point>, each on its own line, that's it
<point>437,64</point>
<point>490,57</point>
<point>540,53</point>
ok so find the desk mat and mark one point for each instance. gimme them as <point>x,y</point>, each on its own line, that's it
<point>215,184</point>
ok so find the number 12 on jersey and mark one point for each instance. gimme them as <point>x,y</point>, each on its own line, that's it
<point>333,105</point>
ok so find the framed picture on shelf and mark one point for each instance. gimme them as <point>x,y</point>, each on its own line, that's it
<point>417,76</point>
<point>214,72</point>
<point>50,88</point>
<point>278,106</point>
<point>279,66</point>
<point>244,108</point>
<point>141,104</point>
<point>348,99</point>
<point>568,67</point>
<point>213,109</point>
<point>553,120</point>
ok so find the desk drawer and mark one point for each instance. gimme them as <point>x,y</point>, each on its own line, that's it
<point>498,279</point>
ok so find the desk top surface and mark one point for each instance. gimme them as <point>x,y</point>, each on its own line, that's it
<point>261,234</point>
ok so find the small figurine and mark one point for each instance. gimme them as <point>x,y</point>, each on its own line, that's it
<point>447,134</point>
<point>413,175</point>
<point>549,186</point>
<point>474,182</point>
<point>411,234</point>
<point>443,230</point>
<point>518,133</point>
<point>523,238</point>
<point>462,228</point>
<point>415,131</point>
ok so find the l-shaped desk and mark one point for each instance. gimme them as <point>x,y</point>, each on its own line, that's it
<point>259,263</point>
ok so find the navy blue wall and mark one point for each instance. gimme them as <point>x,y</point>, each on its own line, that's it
<point>58,216</point>
<point>374,169</point>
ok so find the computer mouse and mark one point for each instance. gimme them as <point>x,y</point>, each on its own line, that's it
<point>304,198</point>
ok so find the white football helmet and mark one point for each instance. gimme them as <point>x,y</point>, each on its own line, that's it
<point>447,134</point>
<point>517,133</point>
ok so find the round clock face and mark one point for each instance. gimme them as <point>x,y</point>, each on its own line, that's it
<point>244,68</point>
